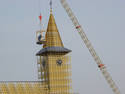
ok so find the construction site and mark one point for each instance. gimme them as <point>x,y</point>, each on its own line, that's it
<point>54,59</point>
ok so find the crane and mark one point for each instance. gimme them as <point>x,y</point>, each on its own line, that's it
<point>90,47</point>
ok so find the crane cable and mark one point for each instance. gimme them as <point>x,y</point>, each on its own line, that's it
<point>40,15</point>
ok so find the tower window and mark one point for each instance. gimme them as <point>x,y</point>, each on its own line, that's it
<point>43,63</point>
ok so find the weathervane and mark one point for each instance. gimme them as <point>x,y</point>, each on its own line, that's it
<point>50,6</point>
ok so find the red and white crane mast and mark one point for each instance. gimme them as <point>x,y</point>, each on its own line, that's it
<point>90,47</point>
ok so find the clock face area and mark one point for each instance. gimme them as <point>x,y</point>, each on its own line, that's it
<point>59,62</point>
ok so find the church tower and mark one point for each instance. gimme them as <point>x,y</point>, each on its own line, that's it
<point>54,62</point>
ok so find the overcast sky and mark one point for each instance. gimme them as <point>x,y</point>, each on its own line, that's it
<point>103,22</point>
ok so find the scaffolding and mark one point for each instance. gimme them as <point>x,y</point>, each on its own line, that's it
<point>53,63</point>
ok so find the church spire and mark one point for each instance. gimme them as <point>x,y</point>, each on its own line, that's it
<point>53,44</point>
<point>52,35</point>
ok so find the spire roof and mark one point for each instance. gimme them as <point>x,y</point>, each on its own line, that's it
<point>52,35</point>
<point>53,40</point>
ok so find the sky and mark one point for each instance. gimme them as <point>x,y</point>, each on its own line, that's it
<point>103,22</point>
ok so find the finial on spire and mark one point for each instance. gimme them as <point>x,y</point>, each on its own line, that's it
<point>50,6</point>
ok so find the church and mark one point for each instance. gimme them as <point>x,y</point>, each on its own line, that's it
<point>54,67</point>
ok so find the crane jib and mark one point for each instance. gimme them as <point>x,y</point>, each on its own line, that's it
<point>90,47</point>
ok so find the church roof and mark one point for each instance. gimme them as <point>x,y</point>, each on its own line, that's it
<point>52,35</point>
<point>46,50</point>
<point>53,42</point>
